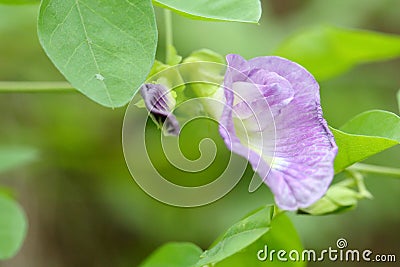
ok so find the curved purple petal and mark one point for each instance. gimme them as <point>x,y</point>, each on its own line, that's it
<point>295,156</point>
<point>160,103</point>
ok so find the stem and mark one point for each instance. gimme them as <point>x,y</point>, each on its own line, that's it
<point>362,189</point>
<point>375,169</point>
<point>168,33</point>
<point>35,87</point>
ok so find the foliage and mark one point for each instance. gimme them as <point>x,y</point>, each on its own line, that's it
<point>13,224</point>
<point>366,135</point>
<point>340,197</point>
<point>317,48</point>
<point>238,237</point>
<point>236,246</point>
<point>107,49</point>
<point>110,70</point>
<point>174,255</point>
<point>110,48</point>
<point>216,10</point>
<point>13,227</point>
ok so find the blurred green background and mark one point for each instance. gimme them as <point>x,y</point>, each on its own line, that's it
<point>84,208</point>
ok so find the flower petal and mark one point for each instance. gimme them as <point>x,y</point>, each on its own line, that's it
<point>302,149</point>
<point>159,102</point>
<point>304,154</point>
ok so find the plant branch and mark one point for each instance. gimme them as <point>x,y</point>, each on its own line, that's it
<point>359,180</point>
<point>168,33</point>
<point>35,87</point>
<point>361,167</point>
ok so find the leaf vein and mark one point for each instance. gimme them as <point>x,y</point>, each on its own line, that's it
<point>116,27</point>
<point>91,49</point>
<point>61,23</point>
<point>73,54</point>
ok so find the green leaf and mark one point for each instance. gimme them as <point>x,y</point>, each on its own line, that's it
<point>19,2</point>
<point>216,10</point>
<point>375,123</point>
<point>366,135</point>
<point>174,255</point>
<point>239,236</point>
<point>172,56</point>
<point>330,51</point>
<point>210,76</point>
<point>207,68</point>
<point>13,156</point>
<point>170,77</point>
<point>206,55</point>
<point>13,227</point>
<point>398,99</point>
<point>158,66</point>
<point>281,236</point>
<point>338,199</point>
<point>105,49</point>
<point>355,148</point>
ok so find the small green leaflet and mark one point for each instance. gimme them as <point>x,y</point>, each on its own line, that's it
<point>341,196</point>
<point>329,51</point>
<point>238,236</point>
<point>375,123</point>
<point>174,255</point>
<point>281,236</point>
<point>355,148</point>
<point>172,56</point>
<point>212,73</point>
<point>222,10</point>
<point>105,49</point>
<point>329,204</point>
<point>13,227</point>
<point>238,246</point>
<point>204,55</point>
<point>365,135</point>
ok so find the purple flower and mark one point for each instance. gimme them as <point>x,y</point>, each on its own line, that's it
<point>273,118</point>
<point>160,103</point>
